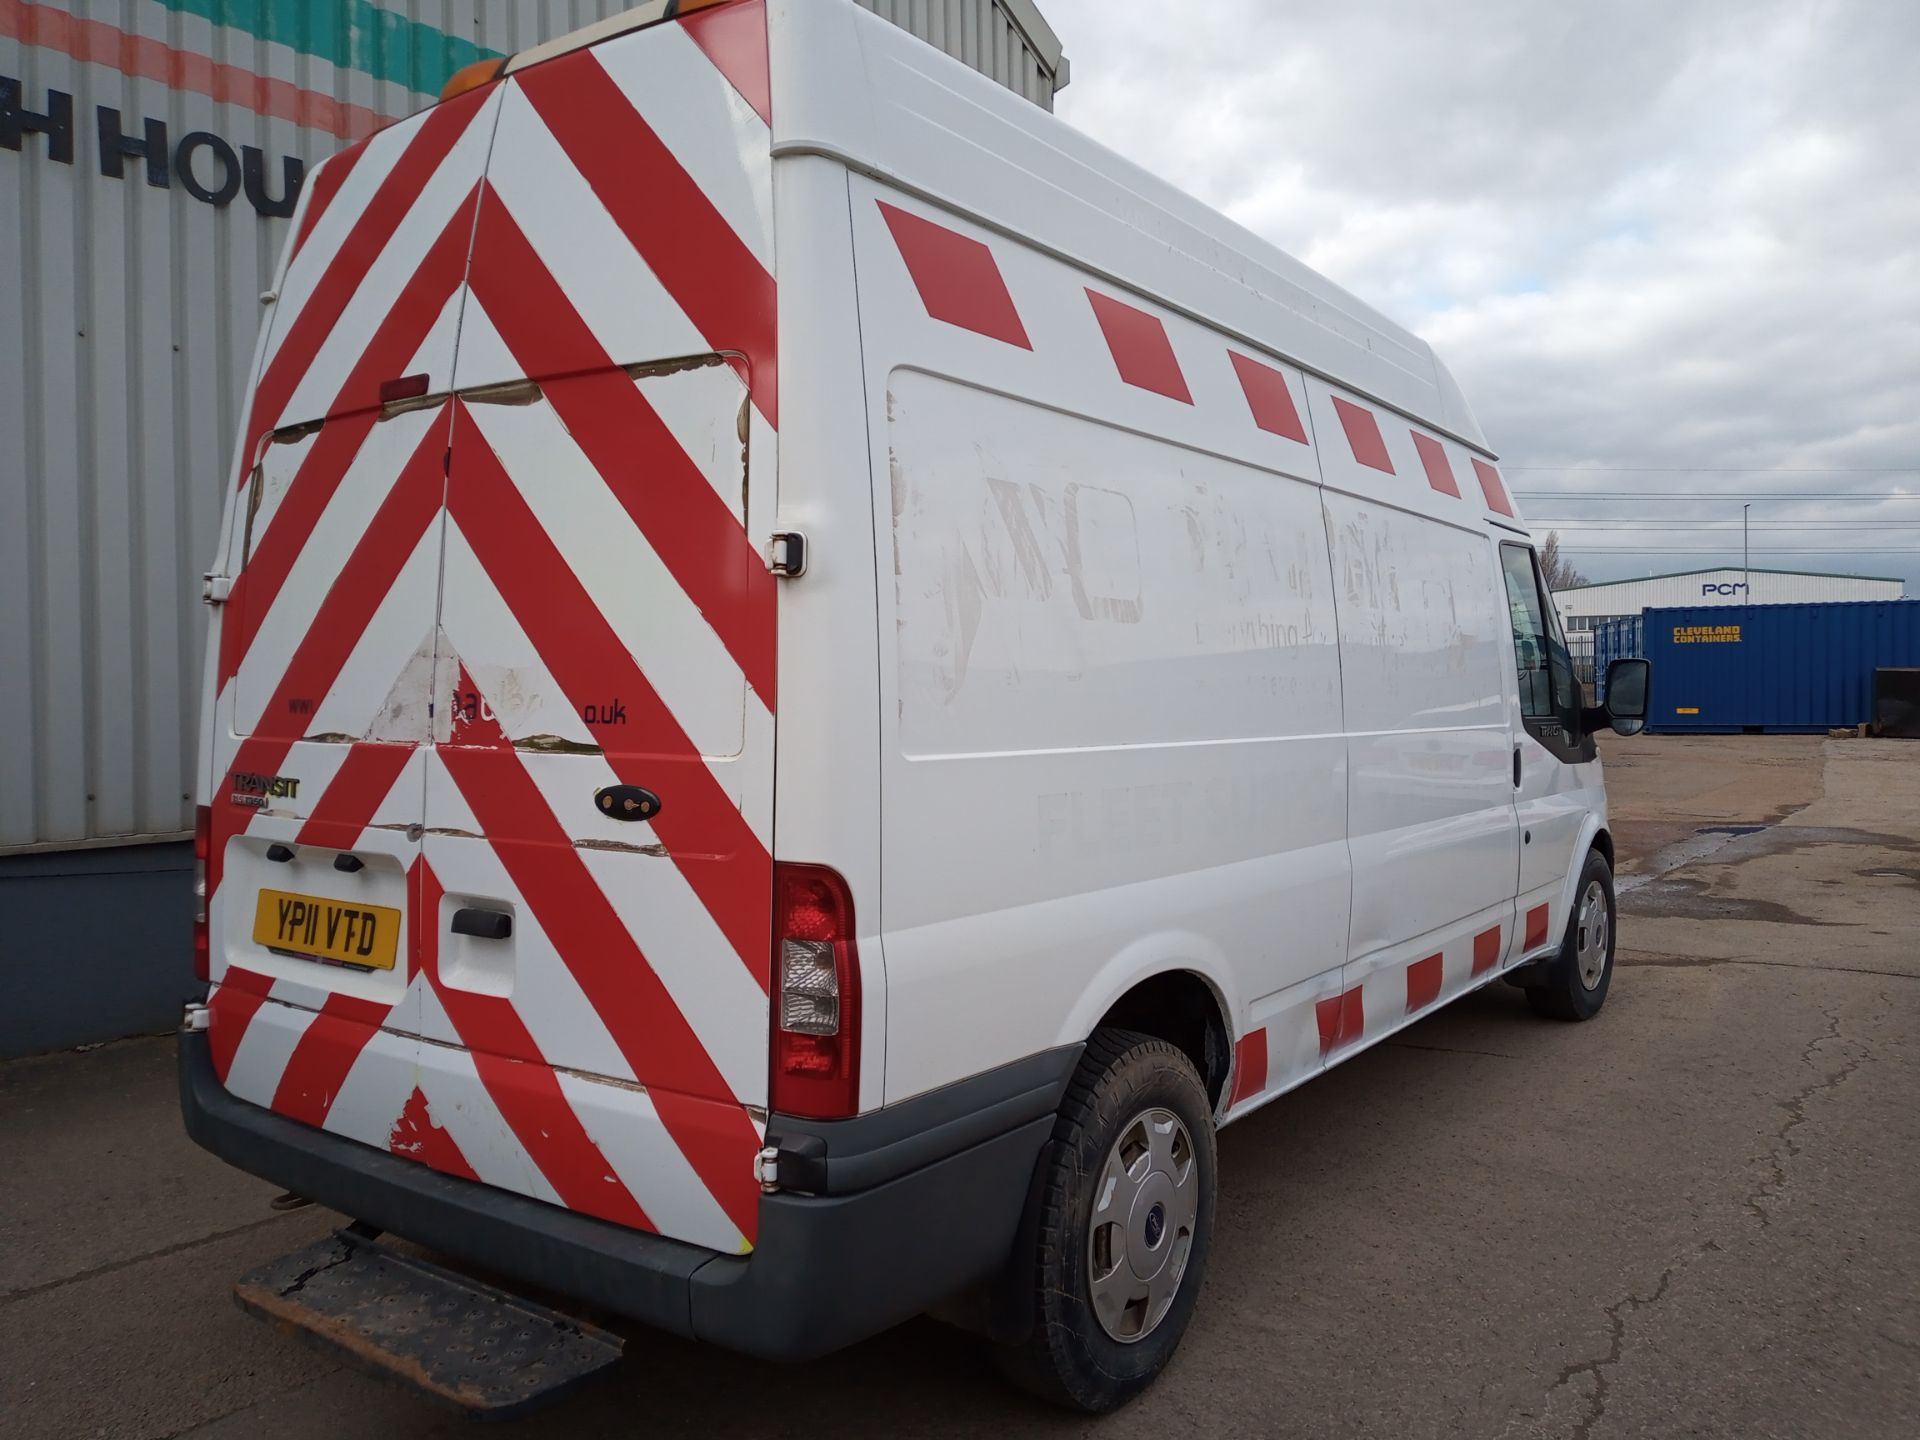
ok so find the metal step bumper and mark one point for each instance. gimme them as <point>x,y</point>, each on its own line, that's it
<point>483,1351</point>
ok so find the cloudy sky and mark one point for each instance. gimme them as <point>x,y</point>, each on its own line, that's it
<point>1677,240</point>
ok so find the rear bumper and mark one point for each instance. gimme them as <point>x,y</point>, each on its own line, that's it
<point>912,1204</point>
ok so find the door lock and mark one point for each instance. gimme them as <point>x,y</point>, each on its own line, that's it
<point>626,802</point>
<point>787,554</point>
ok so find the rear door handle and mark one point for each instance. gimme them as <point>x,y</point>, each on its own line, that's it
<point>1516,767</point>
<point>483,924</point>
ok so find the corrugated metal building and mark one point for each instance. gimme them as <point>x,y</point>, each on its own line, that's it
<point>1583,607</point>
<point>150,153</point>
<point>1007,39</point>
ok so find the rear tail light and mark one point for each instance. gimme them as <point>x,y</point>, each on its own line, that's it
<point>202,847</point>
<point>816,995</point>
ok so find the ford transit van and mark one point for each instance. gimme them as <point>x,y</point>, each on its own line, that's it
<point>813,681</point>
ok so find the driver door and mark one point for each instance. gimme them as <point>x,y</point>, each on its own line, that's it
<point>1552,761</point>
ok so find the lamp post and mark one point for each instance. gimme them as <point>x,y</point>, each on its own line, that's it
<point>1746,572</point>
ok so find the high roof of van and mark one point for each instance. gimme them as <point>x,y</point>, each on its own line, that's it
<point>852,86</point>
<point>863,91</point>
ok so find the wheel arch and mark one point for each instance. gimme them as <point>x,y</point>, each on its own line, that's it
<point>1594,835</point>
<point>1603,842</point>
<point>1183,1008</point>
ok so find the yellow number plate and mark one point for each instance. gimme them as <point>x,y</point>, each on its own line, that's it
<point>364,935</point>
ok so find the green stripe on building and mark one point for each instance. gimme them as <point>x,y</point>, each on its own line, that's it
<point>350,34</point>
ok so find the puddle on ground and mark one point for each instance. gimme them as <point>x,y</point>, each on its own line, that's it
<point>1785,839</point>
<point>1891,872</point>
<point>1656,889</point>
<point>1737,844</point>
<point>1705,841</point>
<point>1671,897</point>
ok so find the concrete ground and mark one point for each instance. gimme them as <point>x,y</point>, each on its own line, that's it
<point>1697,1215</point>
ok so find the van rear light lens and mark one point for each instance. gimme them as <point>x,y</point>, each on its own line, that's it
<point>816,1001</point>
<point>809,988</point>
<point>202,848</point>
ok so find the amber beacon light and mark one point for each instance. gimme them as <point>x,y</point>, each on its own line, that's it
<point>472,77</point>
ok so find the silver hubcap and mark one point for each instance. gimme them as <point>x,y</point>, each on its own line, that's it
<point>1144,1212</point>
<point>1590,940</point>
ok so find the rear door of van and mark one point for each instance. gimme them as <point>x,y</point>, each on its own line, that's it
<point>589,765</point>
<point>596,876</point>
<point>323,671</point>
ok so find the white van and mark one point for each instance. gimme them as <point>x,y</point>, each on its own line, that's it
<point>813,681</point>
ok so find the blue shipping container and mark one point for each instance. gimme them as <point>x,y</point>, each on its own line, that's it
<point>1613,640</point>
<point>1772,667</point>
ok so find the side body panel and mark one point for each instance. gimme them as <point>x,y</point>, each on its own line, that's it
<point>828,742</point>
<point>1423,664</point>
<point>1128,752</point>
<point>1097,275</point>
<point>1110,722</point>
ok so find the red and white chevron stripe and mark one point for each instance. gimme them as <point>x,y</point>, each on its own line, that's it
<point>450,625</point>
<point>961,282</point>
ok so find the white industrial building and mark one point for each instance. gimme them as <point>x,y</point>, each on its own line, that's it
<point>1582,607</point>
<point>151,152</point>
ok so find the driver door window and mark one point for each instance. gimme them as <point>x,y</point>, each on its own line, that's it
<point>1530,635</point>
<point>1549,702</point>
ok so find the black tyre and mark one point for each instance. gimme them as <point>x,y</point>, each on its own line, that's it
<point>1575,984</point>
<point>1125,1222</point>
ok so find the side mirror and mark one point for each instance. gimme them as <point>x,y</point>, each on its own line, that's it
<point>1626,703</point>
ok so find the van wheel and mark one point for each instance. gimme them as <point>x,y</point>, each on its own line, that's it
<point>1575,984</point>
<point>1125,1222</point>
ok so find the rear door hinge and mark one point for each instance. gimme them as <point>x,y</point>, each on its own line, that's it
<point>214,589</point>
<point>787,553</point>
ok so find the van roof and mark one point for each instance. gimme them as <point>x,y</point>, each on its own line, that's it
<point>870,94</point>
<point>1729,570</point>
<point>865,92</point>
